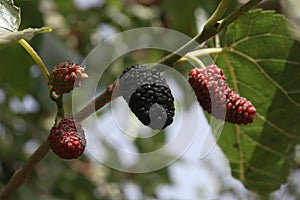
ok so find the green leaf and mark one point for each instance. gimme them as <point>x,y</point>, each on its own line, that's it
<point>7,37</point>
<point>10,19</point>
<point>10,16</point>
<point>262,63</point>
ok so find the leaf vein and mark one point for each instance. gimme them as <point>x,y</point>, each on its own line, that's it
<point>258,36</point>
<point>267,173</point>
<point>258,92</point>
<point>262,146</point>
<point>278,60</point>
<point>280,130</point>
<point>294,92</point>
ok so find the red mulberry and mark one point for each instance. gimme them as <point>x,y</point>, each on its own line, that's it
<point>67,139</point>
<point>65,76</point>
<point>215,96</point>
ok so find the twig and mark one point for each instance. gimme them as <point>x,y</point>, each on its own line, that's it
<point>233,16</point>
<point>97,103</point>
<point>21,174</point>
<point>209,30</point>
<point>218,14</point>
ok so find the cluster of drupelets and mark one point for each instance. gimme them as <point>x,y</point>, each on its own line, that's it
<point>217,98</point>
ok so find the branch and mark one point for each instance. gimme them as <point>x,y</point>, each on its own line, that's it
<point>97,103</point>
<point>210,29</point>
<point>21,174</point>
<point>233,16</point>
<point>218,14</point>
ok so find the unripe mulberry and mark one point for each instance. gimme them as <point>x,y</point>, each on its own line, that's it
<point>65,76</point>
<point>215,96</point>
<point>148,96</point>
<point>67,139</point>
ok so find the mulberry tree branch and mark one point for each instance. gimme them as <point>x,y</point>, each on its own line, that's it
<point>213,26</point>
<point>97,103</point>
<point>21,174</point>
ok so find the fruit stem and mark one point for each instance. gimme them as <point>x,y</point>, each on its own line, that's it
<point>35,57</point>
<point>204,52</point>
<point>198,53</point>
<point>194,59</point>
<point>21,174</point>
<point>60,109</point>
<point>58,99</point>
<point>192,56</point>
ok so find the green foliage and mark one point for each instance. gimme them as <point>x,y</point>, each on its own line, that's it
<point>19,79</point>
<point>7,38</point>
<point>10,16</point>
<point>261,63</point>
<point>9,24</point>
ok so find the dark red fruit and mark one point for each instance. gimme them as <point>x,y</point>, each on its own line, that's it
<point>215,96</point>
<point>67,139</point>
<point>65,76</point>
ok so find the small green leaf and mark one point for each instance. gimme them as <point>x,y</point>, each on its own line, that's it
<point>10,19</point>
<point>7,37</point>
<point>10,16</point>
<point>261,63</point>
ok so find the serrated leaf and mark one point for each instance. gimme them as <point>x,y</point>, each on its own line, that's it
<point>10,16</point>
<point>261,63</point>
<point>7,37</point>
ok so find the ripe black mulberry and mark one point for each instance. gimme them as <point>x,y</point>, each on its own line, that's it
<point>148,96</point>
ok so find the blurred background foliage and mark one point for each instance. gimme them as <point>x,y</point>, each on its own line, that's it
<point>27,114</point>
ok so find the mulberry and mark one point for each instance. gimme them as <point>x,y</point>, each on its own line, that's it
<point>212,92</point>
<point>65,76</point>
<point>148,96</point>
<point>67,139</point>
